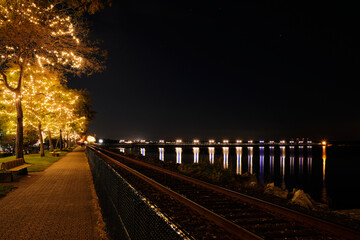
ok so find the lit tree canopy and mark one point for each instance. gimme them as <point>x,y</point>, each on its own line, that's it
<point>49,105</point>
<point>79,7</point>
<point>30,35</point>
<point>45,36</point>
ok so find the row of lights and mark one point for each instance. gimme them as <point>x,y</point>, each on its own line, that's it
<point>211,141</point>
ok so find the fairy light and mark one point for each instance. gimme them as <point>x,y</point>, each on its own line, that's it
<point>44,100</point>
<point>60,28</point>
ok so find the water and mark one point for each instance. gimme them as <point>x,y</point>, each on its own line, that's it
<point>329,174</point>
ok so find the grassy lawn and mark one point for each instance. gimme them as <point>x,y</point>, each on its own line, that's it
<point>38,163</point>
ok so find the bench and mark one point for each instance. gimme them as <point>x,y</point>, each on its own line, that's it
<point>17,165</point>
<point>55,154</point>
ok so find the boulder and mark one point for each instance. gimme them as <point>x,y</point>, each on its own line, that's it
<point>302,199</point>
<point>248,179</point>
<point>252,184</point>
<point>271,189</point>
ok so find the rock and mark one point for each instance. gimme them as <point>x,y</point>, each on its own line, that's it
<point>281,193</point>
<point>270,188</point>
<point>302,199</point>
<point>252,184</point>
<point>248,179</point>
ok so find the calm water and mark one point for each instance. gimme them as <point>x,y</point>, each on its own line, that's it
<point>329,174</point>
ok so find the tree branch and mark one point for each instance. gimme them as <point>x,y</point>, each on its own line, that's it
<point>4,79</point>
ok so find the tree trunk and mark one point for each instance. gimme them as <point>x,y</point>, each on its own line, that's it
<point>61,142</point>
<point>67,141</point>
<point>42,153</point>
<point>50,142</point>
<point>57,142</point>
<point>19,146</point>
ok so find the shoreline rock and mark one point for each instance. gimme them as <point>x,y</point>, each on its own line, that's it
<point>271,189</point>
<point>302,199</point>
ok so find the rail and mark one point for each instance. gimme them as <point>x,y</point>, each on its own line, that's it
<point>128,214</point>
<point>303,219</point>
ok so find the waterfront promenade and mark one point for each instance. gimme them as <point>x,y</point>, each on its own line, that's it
<point>58,203</point>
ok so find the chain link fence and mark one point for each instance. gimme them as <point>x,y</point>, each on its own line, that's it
<point>127,214</point>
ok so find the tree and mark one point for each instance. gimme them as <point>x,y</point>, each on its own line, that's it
<point>49,105</point>
<point>43,36</point>
<point>78,7</point>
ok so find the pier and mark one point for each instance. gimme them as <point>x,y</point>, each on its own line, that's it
<point>213,143</point>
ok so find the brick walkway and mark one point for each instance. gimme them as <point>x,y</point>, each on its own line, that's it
<point>59,203</point>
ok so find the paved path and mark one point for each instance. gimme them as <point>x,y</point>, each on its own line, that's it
<point>59,203</point>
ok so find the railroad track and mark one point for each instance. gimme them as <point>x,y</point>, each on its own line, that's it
<point>218,212</point>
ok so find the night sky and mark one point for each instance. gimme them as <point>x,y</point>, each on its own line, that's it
<point>226,69</point>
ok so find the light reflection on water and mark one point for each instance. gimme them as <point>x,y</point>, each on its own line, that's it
<point>211,155</point>
<point>226,157</point>
<point>287,166</point>
<point>238,160</point>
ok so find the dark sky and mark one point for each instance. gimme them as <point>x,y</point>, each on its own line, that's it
<point>226,69</point>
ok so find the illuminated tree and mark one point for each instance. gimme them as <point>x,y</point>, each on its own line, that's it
<point>78,7</point>
<point>49,105</point>
<point>43,36</point>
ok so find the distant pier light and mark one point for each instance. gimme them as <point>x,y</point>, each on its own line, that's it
<point>101,141</point>
<point>142,141</point>
<point>225,141</point>
<point>196,151</point>
<point>323,143</point>
<point>211,141</point>
<point>301,142</point>
<point>178,141</point>
<point>161,141</point>
<point>196,141</point>
<point>291,142</point>
<point>122,141</point>
<point>271,142</point>
<point>309,142</point>
<point>261,141</point>
<point>282,142</point>
<point>238,141</point>
<point>250,141</point>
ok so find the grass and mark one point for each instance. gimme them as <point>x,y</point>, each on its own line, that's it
<point>38,163</point>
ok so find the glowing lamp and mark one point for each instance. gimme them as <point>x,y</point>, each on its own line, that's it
<point>91,139</point>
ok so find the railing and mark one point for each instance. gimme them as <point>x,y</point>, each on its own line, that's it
<point>127,214</point>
